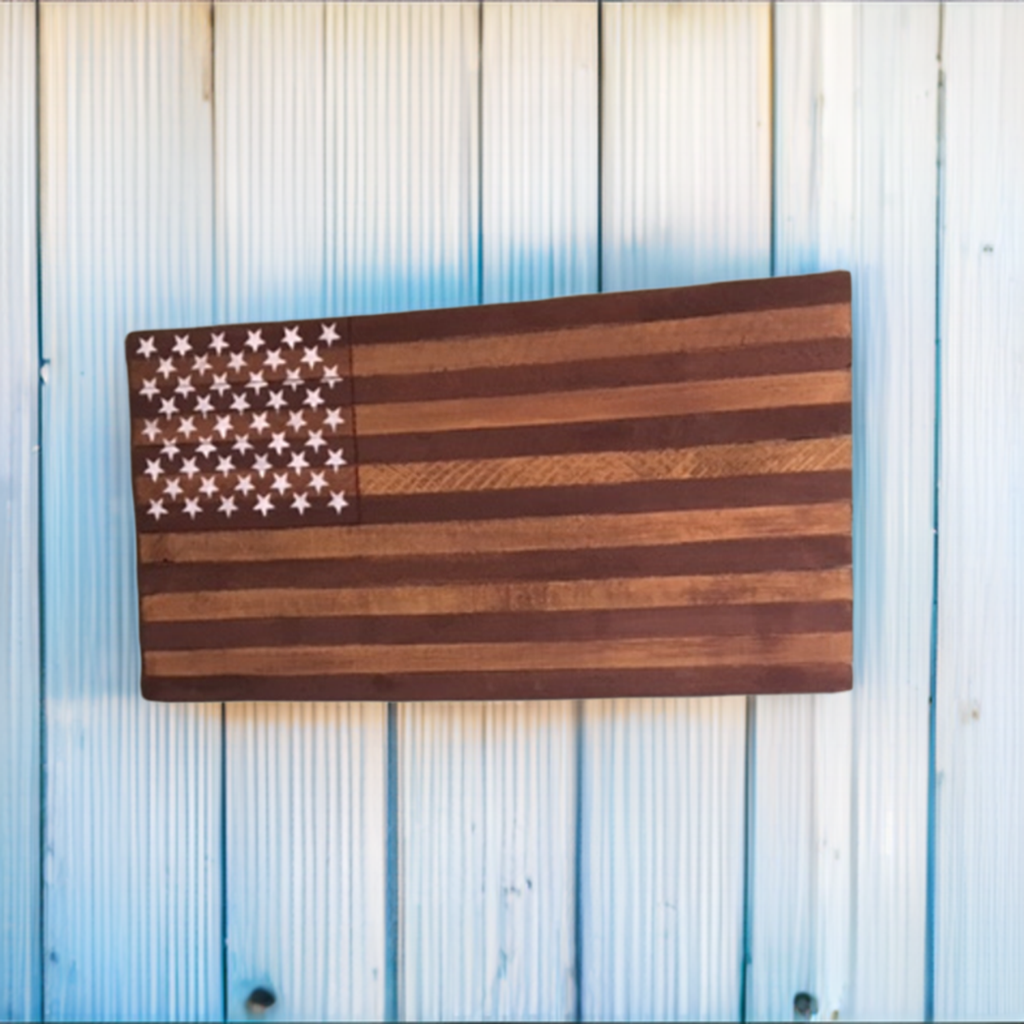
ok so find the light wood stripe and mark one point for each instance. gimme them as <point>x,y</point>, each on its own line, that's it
<point>822,648</point>
<point>536,533</point>
<point>466,476</point>
<point>602,404</point>
<point>641,592</point>
<point>598,341</point>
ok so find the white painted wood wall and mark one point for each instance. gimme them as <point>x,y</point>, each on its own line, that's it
<point>166,164</point>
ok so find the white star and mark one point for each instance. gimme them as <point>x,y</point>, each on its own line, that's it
<point>203,405</point>
<point>237,361</point>
<point>313,399</point>
<point>170,449</point>
<point>273,359</point>
<point>217,342</point>
<point>255,340</point>
<point>182,345</point>
<point>156,509</point>
<point>333,419</point>
<point>278,443</point>
<point>292,336</point>
<point>223,426</point>
<point>337,501</point>
<point>227,506</point>
<point>293,379</point>
<point>206,448</point>
<point>151,430</point>
<point>192,508</point>
<point>276,400</point>
<point>335,460</point>
<point>240,403</point>
<point>168,408</point>
<point>149,388</point>
<point>312,357</point>
<point>256,381</point>
<point>172,488</point>
<point>259,422</point>
<point>201,364</point>
<point>153,468</point>
<point>317,482</point>
<point>225,465</point>
<point>298,462</point>
<point>184,387</point>
<point>300,503</point>
<point>329,334</point>
<point>243,444</point>
<point>264,504</point>
<point>187,427</point>
<point>166,367</point>
<point>220,383</point>
<point>244,485</point>
<point>147,348</point>
<point>330,376</point>
<point>315,440</point>
<point>296,420</point>
<point>189,468</point>
<point>208,487</point>
<point>260,465</point>
<point>280,483</point>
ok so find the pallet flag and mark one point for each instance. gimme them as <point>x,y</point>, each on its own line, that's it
<point>632,494</point>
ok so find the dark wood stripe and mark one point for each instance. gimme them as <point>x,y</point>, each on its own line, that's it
<point>660,496</point>
<point>556,408</point>
<point>724,557</point>
<point>625,624</point>
<point>537,685</point>
<point>751,361</point>
<point>609,308</point>
<point>290,601</point>
<point>649,652</point>
<point>682,431</point>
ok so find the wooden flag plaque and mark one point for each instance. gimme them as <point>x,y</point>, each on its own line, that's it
<point>633,494</point>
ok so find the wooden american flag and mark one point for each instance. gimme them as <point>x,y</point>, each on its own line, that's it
<point>643,493</point>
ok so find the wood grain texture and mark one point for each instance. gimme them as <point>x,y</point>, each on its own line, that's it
<point>979,896</point>
<point>132,823</point>
<point>21,968</point>
<point>840,783</point>
<point>686,197</point>
<point>306,784</point>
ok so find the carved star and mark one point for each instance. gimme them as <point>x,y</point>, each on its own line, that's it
<point>217,342</point>
<point>293,379</point>
<point>298,462</point>
<point>192,507</point>
<point>237,361</point>
<point>311,358</point>
<point>203,405</point>
<point>147,348</point>
<point>296,420</point>
<point>240,403</point>
<point>255,340</point>
<point>335,460</point>
<point>153,469</point>
<point>315,440</point>
<point>313,399</point>
<point>259,422</point>
<point>329,334</point>
<point>223,426</point>
<point>280,483</point>
<point>169,450</point>
<point>168,408</point>
<point>333,419</point>
<point>201,364</point>
<point>206,447</point>
<point>187,427</point>
<point>330,376</point>
<point>245,485</point>
<point>182,345</point>
<point>337,501</point>
<point>256,381</point>
<point>227,506</point>
<point>156,509</point>
<point>264,504</point>
<point>242,445</point>
<point>278,443</point>
<point>166,368</point>
<point>225,465</point>
<point>220,383</point>
<point>261,464</point>
<point>276,400</point>
<point>151,430</point>
<point>149,389</point>
<point>208,487</point>
<point>189,468</point>
<point>300,503</point>
<point>172,488</point>
<point>273,358</point>
<point>291,336</point>
<point>317,482</point>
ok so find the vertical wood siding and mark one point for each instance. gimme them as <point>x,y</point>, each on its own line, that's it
<point>20,966</point>
<point>693,859</point>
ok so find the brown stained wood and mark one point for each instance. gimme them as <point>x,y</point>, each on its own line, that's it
<point>602,341</point>
<point>607,467</point>
<point>504,535</point>
<point>554,407</point>
<point>823,648</point>
<point>636,493</point>
<point>458,599</point>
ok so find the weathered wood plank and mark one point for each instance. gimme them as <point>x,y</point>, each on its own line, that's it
<point>840,783</point>
<point>979,891</point>
<point>686,199</point>
<point>20,712</point>
<point>132,866</point>
<point>306,783</point>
